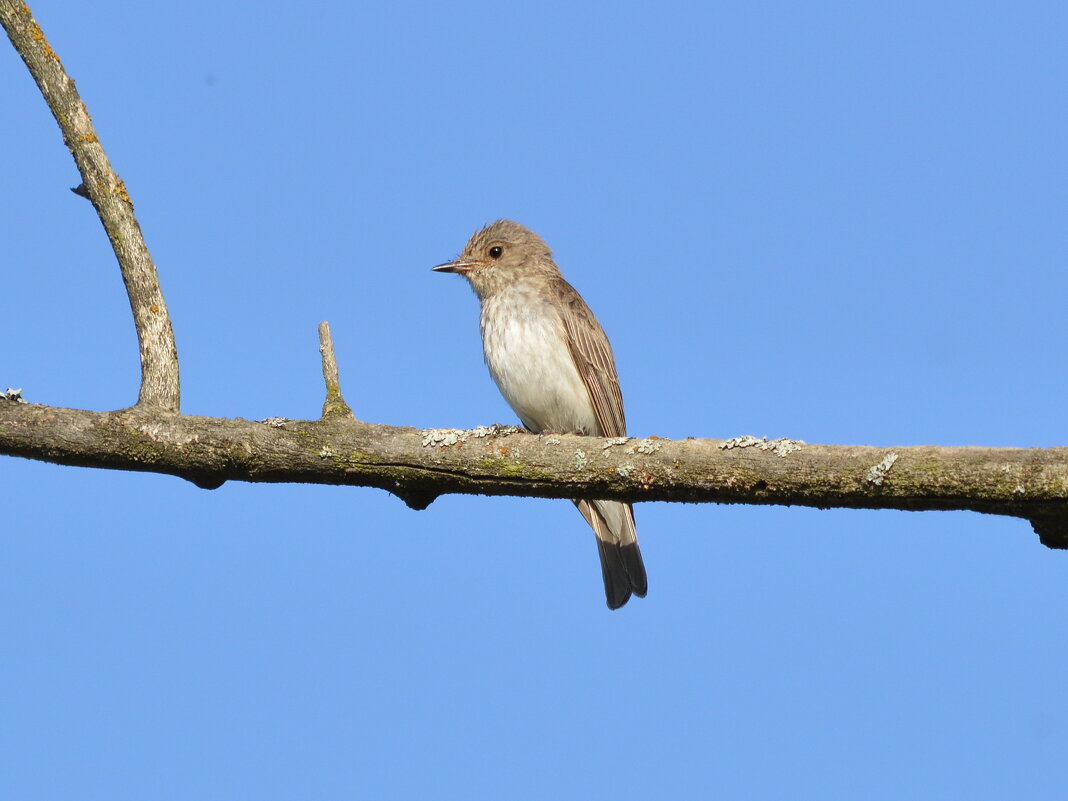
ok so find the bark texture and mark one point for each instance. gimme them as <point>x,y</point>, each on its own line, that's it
<point>419,465</point>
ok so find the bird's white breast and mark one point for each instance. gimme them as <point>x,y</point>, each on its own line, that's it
<point>526,351</point>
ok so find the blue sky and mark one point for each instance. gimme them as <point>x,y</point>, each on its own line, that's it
<point>836,222</point>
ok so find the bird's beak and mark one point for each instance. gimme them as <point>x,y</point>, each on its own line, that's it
<point>458,266</point>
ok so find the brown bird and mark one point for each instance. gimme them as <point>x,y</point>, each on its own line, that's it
<point>553,364</point>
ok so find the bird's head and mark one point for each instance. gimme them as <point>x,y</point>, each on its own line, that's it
<point>499,255</point>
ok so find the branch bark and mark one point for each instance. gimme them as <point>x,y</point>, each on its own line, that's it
<point>107,192</point>
<point>334,405</point>
<point>419,465</point>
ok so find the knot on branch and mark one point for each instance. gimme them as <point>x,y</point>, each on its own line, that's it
<point>1052,530</point>
<point>417,500</point>
<point>207,482</point>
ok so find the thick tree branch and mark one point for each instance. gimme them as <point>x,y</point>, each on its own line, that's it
<point>420,465</point>
<point>159,355</point>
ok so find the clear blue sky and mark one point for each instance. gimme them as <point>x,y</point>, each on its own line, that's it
<point>836,222</point>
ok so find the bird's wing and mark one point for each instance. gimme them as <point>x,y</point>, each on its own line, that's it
<point>592,354</point>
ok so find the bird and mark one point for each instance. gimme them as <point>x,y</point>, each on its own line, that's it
<point>553,364</point>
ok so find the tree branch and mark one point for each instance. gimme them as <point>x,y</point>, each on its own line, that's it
<point>334,405</point>
<point>159,355</point>
<point>419,465</point>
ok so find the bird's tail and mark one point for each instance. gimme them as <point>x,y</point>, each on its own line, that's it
<point>617,543</point>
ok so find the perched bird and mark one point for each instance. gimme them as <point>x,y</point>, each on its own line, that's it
<point>553,364</point>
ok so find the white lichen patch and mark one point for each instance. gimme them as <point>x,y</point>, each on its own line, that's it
<point>780,447</point>
<point>615,441</point>
<point>275,422</point>
<point>161,431</point>
<point>747,441</point>
<point>325,452</point>
<point>647,446</point>
<point>877,472</point>
<point>625,470</point>
<point>552,441</point>
<point>13,395</point>
<point>581,462</point>
<point>444,437</point>
<point>784,447</point>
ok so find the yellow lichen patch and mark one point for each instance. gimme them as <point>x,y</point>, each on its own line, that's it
<point>120,189</point>
<point>38,36</point>
<point>88,138</point>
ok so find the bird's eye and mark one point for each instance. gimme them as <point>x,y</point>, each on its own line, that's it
<point>496,251</point>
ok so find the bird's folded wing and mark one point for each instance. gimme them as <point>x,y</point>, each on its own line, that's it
<point>592,354</point>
